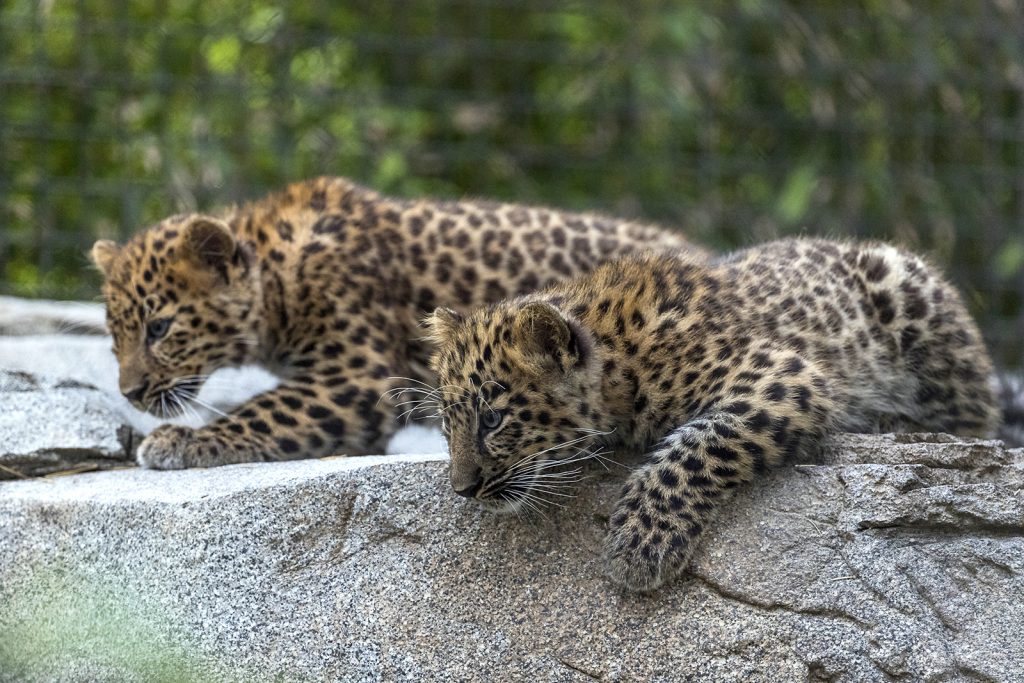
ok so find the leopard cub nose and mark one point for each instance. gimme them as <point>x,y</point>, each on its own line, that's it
<point>468,484</point>
<point>135,395</point>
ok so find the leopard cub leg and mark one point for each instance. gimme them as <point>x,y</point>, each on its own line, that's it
<point>666,504</point>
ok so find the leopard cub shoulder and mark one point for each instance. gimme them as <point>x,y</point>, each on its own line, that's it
<point>720,370</point>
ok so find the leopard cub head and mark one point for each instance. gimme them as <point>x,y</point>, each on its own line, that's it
<point>513,385</point>
<point>181,299</point>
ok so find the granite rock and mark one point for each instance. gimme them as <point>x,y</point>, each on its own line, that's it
<point>30,317</point>
<point>894,558</point>
<point>49,426</point>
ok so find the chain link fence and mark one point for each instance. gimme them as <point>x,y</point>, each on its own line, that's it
<point>737,122</point>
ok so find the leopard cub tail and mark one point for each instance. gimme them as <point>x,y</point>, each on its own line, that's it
<point>1009,391</point>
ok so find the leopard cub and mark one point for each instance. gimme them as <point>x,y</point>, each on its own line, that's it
<point>324,284</point>
<point>718,370</point>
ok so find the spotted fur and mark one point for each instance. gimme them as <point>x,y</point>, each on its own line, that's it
<point>324,284</point>
<point>718,371</point>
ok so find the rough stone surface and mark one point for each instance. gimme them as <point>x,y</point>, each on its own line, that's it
<point>51,425</point>
<point>897,558</point>
<point>27,316</point>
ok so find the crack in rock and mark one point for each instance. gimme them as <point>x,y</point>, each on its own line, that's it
<point>579,669</point>
<point>736,596</point>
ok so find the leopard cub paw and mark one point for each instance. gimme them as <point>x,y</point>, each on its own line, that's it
<point>648,542</point>
<point>169,447</point>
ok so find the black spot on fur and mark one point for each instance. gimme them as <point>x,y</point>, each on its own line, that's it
<point>345,398</point>
<point>260,426</point>
<point>288,446</point>
<point>668,477</point>
<point>333,426</point>
<point>317,412</point>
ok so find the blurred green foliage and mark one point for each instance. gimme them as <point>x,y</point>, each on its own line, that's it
<point>68,621</point>
<point>736,121</point>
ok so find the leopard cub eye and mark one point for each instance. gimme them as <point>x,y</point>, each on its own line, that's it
<point>491,418</point>
<point>157,329</point>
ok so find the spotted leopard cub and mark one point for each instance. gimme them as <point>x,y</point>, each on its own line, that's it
<point>719,371</point>
<point>324,284</point>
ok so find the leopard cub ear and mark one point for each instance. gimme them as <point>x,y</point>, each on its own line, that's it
<point>542,330</point>
<point>210,242</point>
<point>103,254</point>
<point>444,321</point>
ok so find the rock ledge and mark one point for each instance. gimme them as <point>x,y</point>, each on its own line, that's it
<point>899,557</point>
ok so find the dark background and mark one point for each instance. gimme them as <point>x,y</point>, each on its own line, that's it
<point>737,122</point>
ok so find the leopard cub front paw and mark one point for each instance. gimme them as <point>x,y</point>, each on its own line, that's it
<point>169,447</point>
<point>648,541</point>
